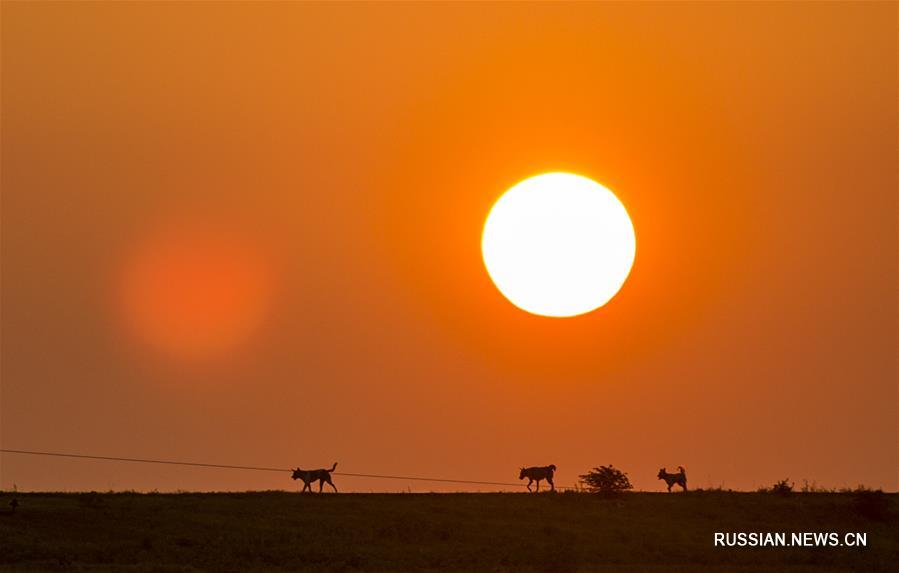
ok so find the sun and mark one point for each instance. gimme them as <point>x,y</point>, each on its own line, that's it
<point>558,244</point>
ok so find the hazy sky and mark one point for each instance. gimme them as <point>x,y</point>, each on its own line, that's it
<point>250,234</point>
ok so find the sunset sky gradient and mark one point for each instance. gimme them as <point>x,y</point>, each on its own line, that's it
<point>328,168</point>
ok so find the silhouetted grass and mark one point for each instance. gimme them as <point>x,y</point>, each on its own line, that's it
<point>564,533</point>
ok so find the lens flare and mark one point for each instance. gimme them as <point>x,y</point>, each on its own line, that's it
<point>195,291</point>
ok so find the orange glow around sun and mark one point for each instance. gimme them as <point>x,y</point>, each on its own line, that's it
<point>195,292</point>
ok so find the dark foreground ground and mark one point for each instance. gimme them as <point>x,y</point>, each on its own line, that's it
<point>278,531</point>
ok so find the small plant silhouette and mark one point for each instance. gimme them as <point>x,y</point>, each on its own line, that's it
<point>813,487</point>
<point>782,487</point>
<point>606,480</point>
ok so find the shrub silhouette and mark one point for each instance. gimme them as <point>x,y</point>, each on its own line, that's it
<point>606,480</point>
<point>782,487</point>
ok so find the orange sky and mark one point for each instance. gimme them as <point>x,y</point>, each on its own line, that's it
<point>328,169</point>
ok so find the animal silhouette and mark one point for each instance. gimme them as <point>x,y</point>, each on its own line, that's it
<point>680,478</point>
<point>309,476</point>
<point>537,474</point>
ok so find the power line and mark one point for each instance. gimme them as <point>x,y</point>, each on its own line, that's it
<point>444,480</point>
<point>255,468</point>
<point>143,461</point>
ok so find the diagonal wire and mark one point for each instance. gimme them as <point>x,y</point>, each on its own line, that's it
<point>254,468</point>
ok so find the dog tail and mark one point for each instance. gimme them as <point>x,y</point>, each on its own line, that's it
<point>681,469</point>
<point>333,467</point>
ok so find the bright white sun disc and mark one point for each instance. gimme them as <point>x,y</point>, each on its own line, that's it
<point>558,244</point>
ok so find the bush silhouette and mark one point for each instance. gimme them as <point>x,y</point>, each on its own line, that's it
<point>606,480</point>
<point>782,487</point>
